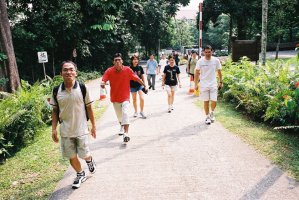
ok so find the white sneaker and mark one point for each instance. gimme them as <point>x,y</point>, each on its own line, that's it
<point>121,131</point>
<point>169,109</point>
<point>91,166</point>
<point>142,115</point>
<point>135,114</point>
<point>212,117</point>
<point>208,121</point>
<point>78,180</point>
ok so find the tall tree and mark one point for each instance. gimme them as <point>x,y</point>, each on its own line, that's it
<point>281,17</point>
<point>264,30</point>
<point>6,46</point>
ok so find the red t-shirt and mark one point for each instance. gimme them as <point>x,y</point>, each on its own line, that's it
<point>119,83</point>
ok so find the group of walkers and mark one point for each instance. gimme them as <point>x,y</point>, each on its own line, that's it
<point>72,108</point>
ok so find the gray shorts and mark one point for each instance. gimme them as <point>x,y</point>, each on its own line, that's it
<point>71,147</point>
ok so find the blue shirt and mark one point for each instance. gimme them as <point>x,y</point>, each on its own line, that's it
<point>151,66</point>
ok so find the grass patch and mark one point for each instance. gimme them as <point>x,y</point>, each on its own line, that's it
<point>34,172</point>
<point>279,147</point>
<point>292,60</point>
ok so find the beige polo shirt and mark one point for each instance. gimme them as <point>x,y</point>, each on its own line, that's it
<point>72,111</point>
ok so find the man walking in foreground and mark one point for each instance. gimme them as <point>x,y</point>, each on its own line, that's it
<point>72,107</point>
<point>206,69</point>
<point>119,77</point>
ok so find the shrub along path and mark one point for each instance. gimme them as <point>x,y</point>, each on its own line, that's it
<point>175,156</point>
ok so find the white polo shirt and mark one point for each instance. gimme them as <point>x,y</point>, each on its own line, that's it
<point>208,69</point>
<point>72,111</point>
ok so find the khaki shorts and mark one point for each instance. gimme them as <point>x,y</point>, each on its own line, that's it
<point>171,88</point>
<point>208,93</point>
<point>122,112</point>
<point>71,147</point>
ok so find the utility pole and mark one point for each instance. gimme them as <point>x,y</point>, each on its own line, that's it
<point>200,29</point>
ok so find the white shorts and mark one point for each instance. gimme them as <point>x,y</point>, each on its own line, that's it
<point>208,93</point>
<point>122,112</point>
<point>169,88</point>
<point>73,146</point>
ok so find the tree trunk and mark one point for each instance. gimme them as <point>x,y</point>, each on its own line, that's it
<point>53,63</point>
<point>7,47</point>
<point>230,33</point>
<point>264,31</point>
<point>291,34</point>
<point>277,48</point>
<point>241,29</point>
<point>3,75</point>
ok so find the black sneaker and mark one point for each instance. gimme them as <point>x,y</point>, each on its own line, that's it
<point>78,180</point>
<point>91,166</point>
<point>126,138</point>
<point>208,121</point>
<point>150,87</point>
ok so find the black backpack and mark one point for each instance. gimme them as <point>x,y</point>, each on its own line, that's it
<point>83,90</point>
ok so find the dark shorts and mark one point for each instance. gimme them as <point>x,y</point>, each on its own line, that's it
<point>136,89</point>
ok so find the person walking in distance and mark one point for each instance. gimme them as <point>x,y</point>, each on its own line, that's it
<point>162,63</point>
<point>151,71</point>
<point>176,57</point>
<point>72,108</point>
<point>206,69</point>
<point>192,63</point>
<point>136,87</point>
<point>119,77</point>
<point>170,81</point>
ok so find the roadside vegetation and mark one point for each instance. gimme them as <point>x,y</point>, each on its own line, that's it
<point>266,93</point>
<point>31,164</point>
<point>261,106</point>
<point>281,147</point>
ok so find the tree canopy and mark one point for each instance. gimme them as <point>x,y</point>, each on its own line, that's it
<point>96,29</point>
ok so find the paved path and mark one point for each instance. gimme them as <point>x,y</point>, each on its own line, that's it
<point>175,156</point>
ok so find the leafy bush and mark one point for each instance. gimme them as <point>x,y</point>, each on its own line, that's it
<point>26,111</point>
<point>84,76</point>
<point>21,115</point>
<point>269,93</point>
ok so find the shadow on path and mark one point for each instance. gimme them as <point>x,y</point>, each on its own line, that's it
<point>187,131</point>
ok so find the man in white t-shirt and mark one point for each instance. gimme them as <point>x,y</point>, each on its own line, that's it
<point>205,70</point>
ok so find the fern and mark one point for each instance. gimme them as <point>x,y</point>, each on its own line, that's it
<point>266,92</point>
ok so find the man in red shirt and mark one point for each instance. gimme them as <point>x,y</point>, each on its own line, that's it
<point>119,77</point>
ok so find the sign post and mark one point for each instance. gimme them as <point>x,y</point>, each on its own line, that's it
<point>200,29</point>
<point>43,58</point>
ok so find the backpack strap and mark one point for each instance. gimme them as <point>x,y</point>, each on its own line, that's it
<point>83,90</point>
<point>55,91</point>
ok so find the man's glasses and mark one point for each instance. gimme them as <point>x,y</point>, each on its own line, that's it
<point>69,70</point>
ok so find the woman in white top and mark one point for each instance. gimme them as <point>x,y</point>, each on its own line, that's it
<point>162,63</point>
